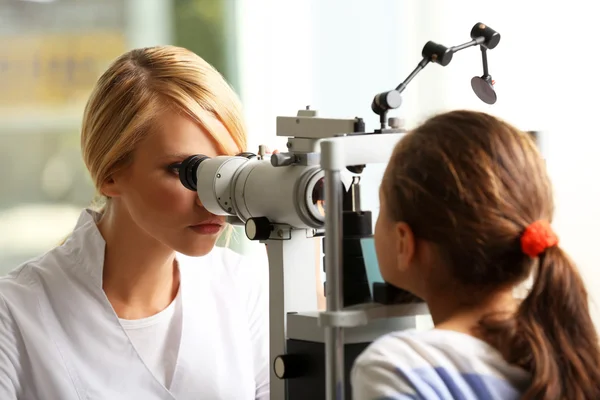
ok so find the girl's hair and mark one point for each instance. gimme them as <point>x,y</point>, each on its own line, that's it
<point>133,91</point>
<point>471,184</point>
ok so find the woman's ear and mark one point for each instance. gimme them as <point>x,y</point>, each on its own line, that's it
<point>405,245</point>
<point>110,188</point>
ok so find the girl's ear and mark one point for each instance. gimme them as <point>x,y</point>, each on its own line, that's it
<point>404,242</point>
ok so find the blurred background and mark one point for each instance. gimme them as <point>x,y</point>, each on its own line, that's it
<point>51,53</point>
<point>281,56</point>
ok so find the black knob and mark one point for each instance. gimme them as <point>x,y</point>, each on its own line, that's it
<point>258,228</point>
<point>289,366</point>
<point>359,125</point>
<point>383,102</point>
<point>437,53</point>
<point>492,38</point>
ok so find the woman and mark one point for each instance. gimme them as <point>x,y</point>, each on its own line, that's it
<point>138,303</point>
<point>466,206</point>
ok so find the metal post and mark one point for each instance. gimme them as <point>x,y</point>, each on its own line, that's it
<point>291,288</point>
<point>334,336</point>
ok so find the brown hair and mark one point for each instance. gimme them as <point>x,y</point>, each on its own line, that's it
<point>471,184</point>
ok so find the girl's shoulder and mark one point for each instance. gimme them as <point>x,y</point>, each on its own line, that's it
<point>434,364</point>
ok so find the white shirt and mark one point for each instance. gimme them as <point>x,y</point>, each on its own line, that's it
<point>156,339</point>
<point>434,365</point>
<point>61,339</point>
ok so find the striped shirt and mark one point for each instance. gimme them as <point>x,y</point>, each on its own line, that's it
<point>435,364</point>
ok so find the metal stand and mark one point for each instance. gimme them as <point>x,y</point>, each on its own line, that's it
<point>291,289</point>
<point>334,335</point>
<point>334,339</point>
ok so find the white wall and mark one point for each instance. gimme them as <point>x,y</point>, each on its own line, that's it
<point>274,63</point>
<point>335,55</point>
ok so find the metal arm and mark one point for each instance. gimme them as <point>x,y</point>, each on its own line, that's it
<point>482,35</point>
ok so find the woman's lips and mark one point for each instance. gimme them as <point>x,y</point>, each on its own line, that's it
<point>207,228</point>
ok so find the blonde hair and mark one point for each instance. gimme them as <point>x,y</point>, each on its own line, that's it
<point>132,92</point>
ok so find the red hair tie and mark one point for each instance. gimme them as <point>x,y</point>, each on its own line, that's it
<point>538,237</point>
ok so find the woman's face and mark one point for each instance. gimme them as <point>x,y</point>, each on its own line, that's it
<point>150,192</point>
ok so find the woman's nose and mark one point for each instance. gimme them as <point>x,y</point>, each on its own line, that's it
<point>198,200</point>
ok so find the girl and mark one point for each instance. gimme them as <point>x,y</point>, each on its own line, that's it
<point>466,207</point>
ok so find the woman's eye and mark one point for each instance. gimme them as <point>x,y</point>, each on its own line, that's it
<point>174,167</point>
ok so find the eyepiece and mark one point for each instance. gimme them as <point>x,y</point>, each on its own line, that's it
<point>188,171</point>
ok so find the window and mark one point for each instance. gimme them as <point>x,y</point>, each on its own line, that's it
<point>51,54</point>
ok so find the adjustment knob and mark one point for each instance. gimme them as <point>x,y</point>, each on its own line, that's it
<point>395,123</point>
<point>491,37</point>
<point>383,102</point>
<point>258,228</point>
<point>282,159</point>
<point>289,366</point>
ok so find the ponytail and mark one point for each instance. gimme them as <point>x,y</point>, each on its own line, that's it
<point>552,334</point>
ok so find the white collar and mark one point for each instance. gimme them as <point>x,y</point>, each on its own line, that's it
<point>87,246</point>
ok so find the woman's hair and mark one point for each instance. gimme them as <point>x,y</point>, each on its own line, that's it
<point>471,184</point>
<point>134,90</point>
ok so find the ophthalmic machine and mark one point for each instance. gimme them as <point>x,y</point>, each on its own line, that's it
<point>313,190</point>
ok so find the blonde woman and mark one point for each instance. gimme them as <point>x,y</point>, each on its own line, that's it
<point>138,303</point>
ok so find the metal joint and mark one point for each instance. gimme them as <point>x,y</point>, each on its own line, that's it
<point>343,319</point>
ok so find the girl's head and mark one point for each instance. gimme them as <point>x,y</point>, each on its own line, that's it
<point>151,109</point>
<point>456,198</point>
<point>464,185</point>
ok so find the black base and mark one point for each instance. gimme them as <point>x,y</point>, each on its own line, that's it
<point>311,383</point>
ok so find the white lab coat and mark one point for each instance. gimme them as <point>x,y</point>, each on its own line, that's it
<point>60,338</point>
